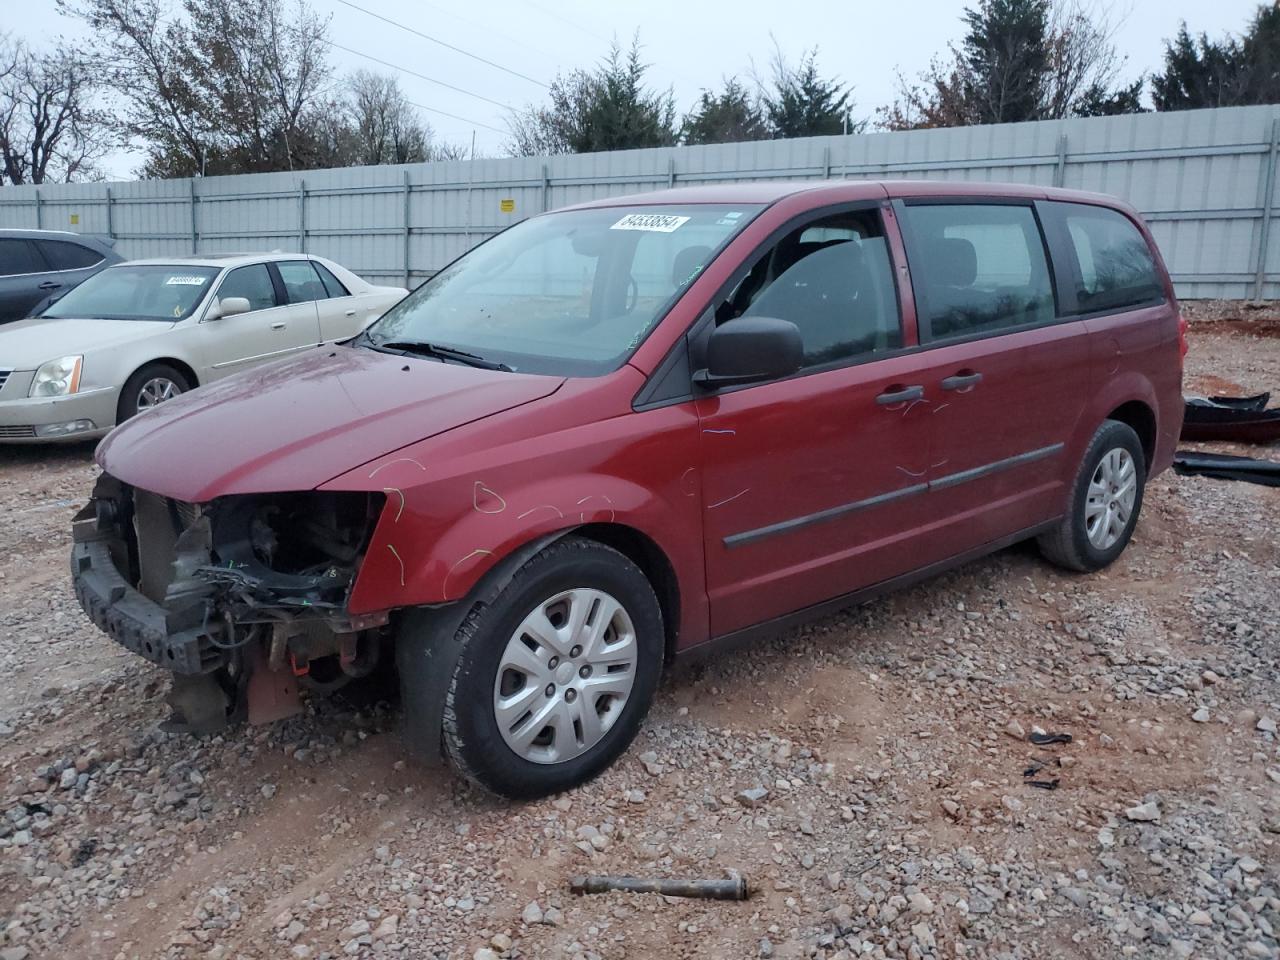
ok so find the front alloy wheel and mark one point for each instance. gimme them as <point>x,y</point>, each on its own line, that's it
<point>156,391</point>
<point>565,676</point>
<point>554,674</point>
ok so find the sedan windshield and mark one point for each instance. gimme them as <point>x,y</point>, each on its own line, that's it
<point>569,293</point>
<point>137,292</point>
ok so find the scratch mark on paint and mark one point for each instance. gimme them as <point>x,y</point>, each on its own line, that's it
<point>399,561</point>
<point>392,463</point>
<point>727,433</point>
<point>940,407</point>
<point>444,587</point>
<point>941,463</point>
<point>911,405</point>
<point>683,478</point>
<point>542,506</point>
<point>912,473</point>
<point>400,493</point>
<point>721,503</point>
<point>582,516</point>
<point>479,490</point>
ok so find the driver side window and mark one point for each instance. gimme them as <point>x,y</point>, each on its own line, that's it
<point>833,279</point>
<point>253,283</point>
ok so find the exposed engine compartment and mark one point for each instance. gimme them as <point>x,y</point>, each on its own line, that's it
<point>244,585</point>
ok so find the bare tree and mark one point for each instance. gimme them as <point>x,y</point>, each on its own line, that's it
<point>1019,60</point>
<point>386,126</point>
<point>143,47</point>
<point>214,86</point>
<point>48,128</point>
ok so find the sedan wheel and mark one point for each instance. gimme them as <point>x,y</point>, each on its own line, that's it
<point>565,676</point>
<point>156,391</point>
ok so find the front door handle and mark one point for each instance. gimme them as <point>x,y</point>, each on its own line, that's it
<point>962,380</point>
<point>49,285</point>
<point>900,394</point>
<point>351,313</point>
<point>278,325</point>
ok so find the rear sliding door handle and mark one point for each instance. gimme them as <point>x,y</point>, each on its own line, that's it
<point>900,394</point>
<point>961,381</point>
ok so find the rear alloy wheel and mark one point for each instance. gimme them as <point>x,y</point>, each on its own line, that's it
<point>1106,499</point>
<point>150,387</point>
<point>556,674</point>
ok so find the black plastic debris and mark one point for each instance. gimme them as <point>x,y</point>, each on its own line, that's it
<point>1243,419</point>
<point>1030,773</point>
<point>732,888</point>
<point>1221,466</point>
<point>1044,739</point>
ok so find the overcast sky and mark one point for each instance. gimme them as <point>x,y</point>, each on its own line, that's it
<point>691,44</point>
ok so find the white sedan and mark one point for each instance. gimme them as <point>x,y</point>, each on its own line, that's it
<point>141,332</point>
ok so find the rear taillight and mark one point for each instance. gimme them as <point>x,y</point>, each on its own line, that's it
<point>1182,336</point>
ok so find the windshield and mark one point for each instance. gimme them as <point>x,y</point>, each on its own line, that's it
<point>137,292</point>
<point>569,293</point>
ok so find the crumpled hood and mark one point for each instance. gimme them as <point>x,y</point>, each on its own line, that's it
<point>25,344</point>
<point>295,424</point>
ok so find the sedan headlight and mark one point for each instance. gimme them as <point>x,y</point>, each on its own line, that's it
<point>57,378</point>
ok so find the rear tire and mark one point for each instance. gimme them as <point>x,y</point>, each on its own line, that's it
<point>555,675</point>
<point>148,387</point>
<point>1106,499</point>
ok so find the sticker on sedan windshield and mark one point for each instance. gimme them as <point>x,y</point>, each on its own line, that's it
<point>653,222</point>
<point>186,281</point>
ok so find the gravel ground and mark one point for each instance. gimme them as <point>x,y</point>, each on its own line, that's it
<point>866,774</point>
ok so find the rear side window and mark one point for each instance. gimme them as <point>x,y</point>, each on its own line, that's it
<point>332,285</point>
<point>1115,265</point>
<point>65,255</point>
<point>253,283</point>
<point>19,256</point>
<point>977,268</point>
<point>301,282</point>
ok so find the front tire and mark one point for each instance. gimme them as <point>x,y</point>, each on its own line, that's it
<point>149,387</point>
<point>556,674</point>
<point>1106,499</point>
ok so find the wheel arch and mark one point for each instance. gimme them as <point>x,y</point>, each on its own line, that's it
<point>645,553</point>
<point>1139,417</point>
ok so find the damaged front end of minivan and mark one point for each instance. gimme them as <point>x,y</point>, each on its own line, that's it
<point>243,598</point>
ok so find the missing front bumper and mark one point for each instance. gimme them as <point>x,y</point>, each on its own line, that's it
<point>138,624</point>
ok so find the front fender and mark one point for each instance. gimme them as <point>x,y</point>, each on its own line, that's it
<point>413,559</point>
<point>452,515</point>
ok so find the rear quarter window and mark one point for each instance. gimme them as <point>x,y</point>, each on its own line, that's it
<point>1114,266</point>
<point>65,255</point>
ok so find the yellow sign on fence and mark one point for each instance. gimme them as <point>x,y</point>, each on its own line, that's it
<point>507,205</point>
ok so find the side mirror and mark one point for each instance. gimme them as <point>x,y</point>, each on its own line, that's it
<point>228,307</point>
<point>750,349</point>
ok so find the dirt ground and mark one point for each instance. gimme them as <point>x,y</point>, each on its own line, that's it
<point>891,741</point>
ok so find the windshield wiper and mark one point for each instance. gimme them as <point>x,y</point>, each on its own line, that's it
<point>422,348</point>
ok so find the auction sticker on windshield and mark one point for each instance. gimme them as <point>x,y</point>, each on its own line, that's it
<point>653,222</point>
<point>186,281</point>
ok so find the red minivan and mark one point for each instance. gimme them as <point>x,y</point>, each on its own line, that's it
<point>620,431</point>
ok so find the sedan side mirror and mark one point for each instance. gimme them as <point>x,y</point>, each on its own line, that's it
<point>228,307</point>
<point>751,349</point>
